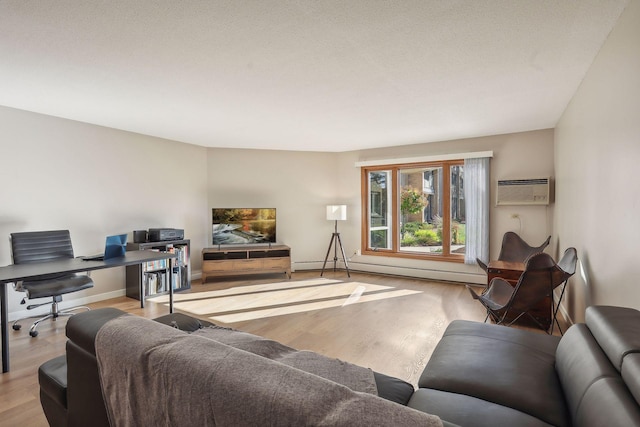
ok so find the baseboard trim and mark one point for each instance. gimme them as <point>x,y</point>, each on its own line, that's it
<point>422,273</point>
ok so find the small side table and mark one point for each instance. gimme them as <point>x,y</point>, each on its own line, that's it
<point>511,272</point>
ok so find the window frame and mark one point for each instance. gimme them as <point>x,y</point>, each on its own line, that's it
<point>394,225</point>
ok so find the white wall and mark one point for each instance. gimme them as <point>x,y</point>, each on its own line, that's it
<point>95,181</point>
<point>597,150</point>
<point>519,155</point>
<point>300,184</point>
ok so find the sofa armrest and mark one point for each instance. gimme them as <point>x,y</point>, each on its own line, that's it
<point>82,328</point>
<point>84,394</point>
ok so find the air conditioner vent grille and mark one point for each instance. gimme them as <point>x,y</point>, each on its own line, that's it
<point>543,181</point>
<point>535,191</point>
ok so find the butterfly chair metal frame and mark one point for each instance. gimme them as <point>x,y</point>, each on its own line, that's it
<point>515,249</point>
<point>568,264</point>
<point>539,279</point>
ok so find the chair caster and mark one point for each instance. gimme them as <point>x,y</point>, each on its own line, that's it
<point>16,327</point>
<point>33,333</point>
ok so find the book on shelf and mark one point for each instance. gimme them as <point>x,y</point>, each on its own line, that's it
<point>181,252</point>
<point>182,257</point>
<point>177,278</point>
<point>150,283</point>
<point>160,264</point>
<point>156,282</point>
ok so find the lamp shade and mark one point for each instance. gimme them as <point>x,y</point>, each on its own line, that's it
<point>337,212</point>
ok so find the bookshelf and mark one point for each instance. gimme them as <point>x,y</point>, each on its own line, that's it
<point>152,278</point>
<point>239,260</point>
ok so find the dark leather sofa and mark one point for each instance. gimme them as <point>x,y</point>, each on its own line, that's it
<point>479,374</point>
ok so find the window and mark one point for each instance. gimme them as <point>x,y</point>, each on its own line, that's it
<point>415,210</point>
<point>380,209</point>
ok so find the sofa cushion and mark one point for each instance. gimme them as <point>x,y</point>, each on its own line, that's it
<point>607,403</point>
<point>506,366</point>
<point>616,329</point>
<point>631,374</point>
<point>593,388</point>
<point>580,362</point>
<point>466,410</point>
<point>52,376</point>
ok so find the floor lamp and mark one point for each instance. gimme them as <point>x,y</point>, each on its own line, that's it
<point>336,213</point>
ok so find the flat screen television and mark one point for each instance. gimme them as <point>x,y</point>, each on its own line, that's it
<point>237,226</point>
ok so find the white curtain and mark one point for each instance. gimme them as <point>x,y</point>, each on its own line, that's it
<point>477,199</point>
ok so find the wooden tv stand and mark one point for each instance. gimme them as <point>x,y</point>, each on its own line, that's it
<point>246,259</point>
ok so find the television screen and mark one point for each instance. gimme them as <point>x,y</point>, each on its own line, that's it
<point>242,226</point>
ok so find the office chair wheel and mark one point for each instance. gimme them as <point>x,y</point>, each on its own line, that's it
<point>16,327</point>
<point>33,333</point>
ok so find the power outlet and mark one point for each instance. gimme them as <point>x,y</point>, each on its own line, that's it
<point>515,215</point>
<point>358,252</point>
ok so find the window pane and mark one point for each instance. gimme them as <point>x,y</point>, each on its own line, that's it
<point>458,224</point>
<point>379,210</point>
<point>421,209</point>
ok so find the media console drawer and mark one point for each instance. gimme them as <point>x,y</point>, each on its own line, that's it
<point>249,259</point>
<point>247,264</point>
<point>215,266</point>
<point>277,263</point>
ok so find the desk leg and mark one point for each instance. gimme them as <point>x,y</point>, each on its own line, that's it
<point>5,333</point>
<point>170,285</point>
<point>142,295</point>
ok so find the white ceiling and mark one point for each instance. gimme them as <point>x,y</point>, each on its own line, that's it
<point>328,75</point>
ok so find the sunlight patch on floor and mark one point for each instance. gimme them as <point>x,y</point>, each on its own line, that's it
<point>244,289</point>
<point>355,296</point>
<point>303,307</point>
<point>252,302</point>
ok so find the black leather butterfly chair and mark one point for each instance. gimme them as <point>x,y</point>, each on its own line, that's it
<point>506,303</point>
<point>514,249</point>
<point>43,246</point>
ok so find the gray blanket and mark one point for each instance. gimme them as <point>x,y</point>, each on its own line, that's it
<point>355,377</point>
<point>152,375</point>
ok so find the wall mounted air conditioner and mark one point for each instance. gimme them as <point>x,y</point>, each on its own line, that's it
<point>535,191</point>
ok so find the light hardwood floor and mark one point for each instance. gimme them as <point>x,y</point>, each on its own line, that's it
<point>389,324</point>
